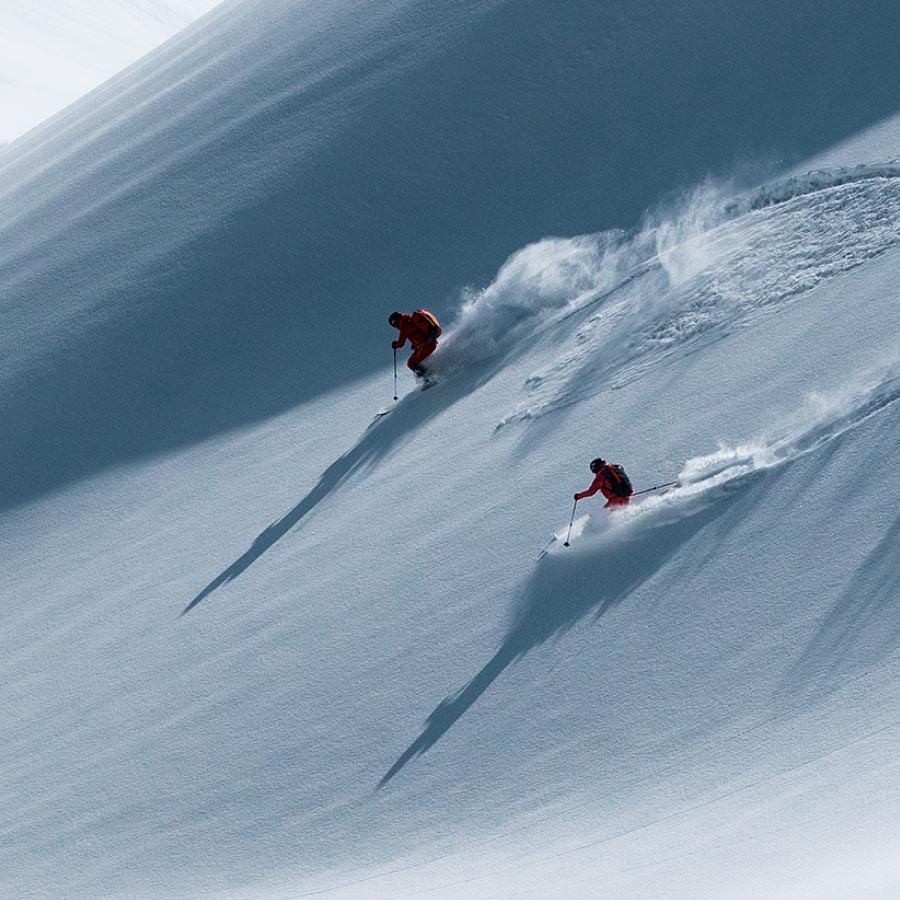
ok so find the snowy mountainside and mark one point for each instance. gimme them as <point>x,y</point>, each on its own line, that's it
<point>691,673</point>
<point>258,645</point>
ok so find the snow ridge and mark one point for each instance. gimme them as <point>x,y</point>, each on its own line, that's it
<point>800,185</point>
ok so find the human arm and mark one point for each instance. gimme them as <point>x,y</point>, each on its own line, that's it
<point>405,329</point>
<point>596,484</point>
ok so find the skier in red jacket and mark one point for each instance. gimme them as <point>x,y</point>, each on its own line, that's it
<point>422,330</point>
<point>611,481</point>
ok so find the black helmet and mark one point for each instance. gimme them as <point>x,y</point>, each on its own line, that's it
<point>394,319</point>
<point>597,464</point>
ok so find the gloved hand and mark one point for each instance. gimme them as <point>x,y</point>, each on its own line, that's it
<point>578,496</point>
<point>395,345</point>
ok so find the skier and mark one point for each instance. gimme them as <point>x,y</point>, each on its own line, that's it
<point>422,330</point>
<point>610,479</point>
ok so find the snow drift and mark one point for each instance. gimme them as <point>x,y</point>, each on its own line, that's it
<point>694,274</point>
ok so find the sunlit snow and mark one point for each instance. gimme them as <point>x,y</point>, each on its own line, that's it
<point>54,51</point>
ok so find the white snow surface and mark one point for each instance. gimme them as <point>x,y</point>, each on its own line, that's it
<point>257,644</point>
<point>54,51</point>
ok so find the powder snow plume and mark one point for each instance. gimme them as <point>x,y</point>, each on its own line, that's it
<point>714,265</point>
<point>555,277</point>
<point>708,478</point>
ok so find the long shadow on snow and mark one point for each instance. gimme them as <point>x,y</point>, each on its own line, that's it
<point>566,587</point>
<point>861,629</point>
<point>600,572</point>
<point>409,414</point>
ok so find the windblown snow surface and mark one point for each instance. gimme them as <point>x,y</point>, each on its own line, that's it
<point>54,51</point>
<point>257,644</point>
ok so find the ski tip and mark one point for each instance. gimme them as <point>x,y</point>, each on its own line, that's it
<point>376,419</point>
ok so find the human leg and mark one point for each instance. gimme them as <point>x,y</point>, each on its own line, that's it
<point>419,353</point>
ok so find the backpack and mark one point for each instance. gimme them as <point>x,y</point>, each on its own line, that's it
<point>619,483</point>
<point>427,323</point>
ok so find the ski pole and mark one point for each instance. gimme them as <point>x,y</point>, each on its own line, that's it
<point>569,532</point>
<point>395,373</point>
<point>656,488</point>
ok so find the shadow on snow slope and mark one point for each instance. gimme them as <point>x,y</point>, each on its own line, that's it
<point>411,413</point>
<point>604,569</point>
<point>565,588</point>
<point>203,219</point>
<point>863,626</point>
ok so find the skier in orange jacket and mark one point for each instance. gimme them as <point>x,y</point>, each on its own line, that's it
<point>422,330</point>
<point>611,481</point>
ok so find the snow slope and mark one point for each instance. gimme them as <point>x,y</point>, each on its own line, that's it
<point>258,645</point>
<point>54,52</point>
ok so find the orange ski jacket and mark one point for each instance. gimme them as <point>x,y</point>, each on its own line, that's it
<point>419,328</point>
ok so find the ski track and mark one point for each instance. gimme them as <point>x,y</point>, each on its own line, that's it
<point>693,277</point>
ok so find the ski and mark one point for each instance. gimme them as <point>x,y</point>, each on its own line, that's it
<point>378,417</point>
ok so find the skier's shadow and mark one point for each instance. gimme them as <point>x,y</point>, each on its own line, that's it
<point>566,586</point>
<point>860,631</point>
<point>405,417</point>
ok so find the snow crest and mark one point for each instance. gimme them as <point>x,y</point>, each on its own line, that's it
<point>801,185</point>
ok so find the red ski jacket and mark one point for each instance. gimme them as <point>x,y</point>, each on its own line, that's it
<point>603,483</point>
